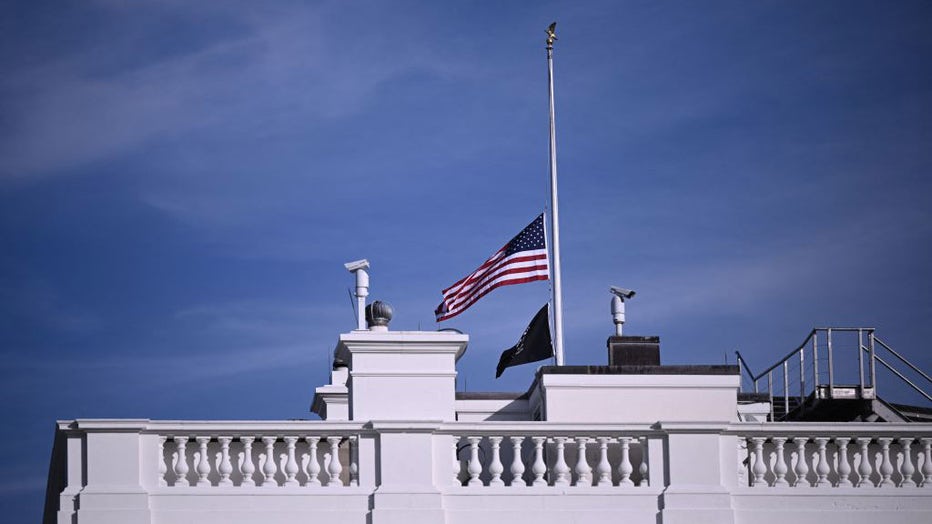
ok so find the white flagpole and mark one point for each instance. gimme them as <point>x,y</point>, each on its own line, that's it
<point>554,211</point>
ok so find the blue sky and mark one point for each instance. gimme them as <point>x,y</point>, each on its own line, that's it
<point>181,182</point>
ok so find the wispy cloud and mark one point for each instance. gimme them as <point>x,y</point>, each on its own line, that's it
<point>284,63</point>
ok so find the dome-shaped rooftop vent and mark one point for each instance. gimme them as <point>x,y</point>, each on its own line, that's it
<point>378,315</point>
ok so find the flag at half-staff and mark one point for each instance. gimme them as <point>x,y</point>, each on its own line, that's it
<point>522,259</point>
<point>534,344</point>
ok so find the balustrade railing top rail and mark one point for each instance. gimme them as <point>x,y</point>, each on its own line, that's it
<point>548,427</point>
<point>830,429</point>
<point>211,426</point>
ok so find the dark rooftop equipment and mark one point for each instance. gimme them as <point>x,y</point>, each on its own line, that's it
<point>633,351</point>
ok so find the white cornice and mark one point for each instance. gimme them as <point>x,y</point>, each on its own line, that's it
<point>402,374</point>
<point>641,381</point>
<point>411,342</point>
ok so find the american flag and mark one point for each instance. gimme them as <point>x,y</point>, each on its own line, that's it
<point>522,259</point>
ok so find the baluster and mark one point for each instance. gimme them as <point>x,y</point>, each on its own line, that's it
<point>475,467</point>
<point>457,466</point>
<point>203,461</point>
<point>181,465</point>
<point>864,468</point>
<point>163,468</point>
<point>625,469</point>
<point>604,469</point>
<point>540,467</point>
<point>823,468</point>
<point>908,469</point>
<point>886,466</point>
<point>844,468</point>
<point>291,466</point>
<point>354,460</point>
<point>642,469</point>
<point>495,466</point>
<point>560,468</point>
<point>583,470</point>
<point>759,469</point>
<point>313,466</point>
<point>246,467</point>
<point>335,467</point>
<point>927,463</point>
<point>225,467</point>
<point>282,463</point>
<point>802,469</point>
<point>269,469</point>
<point>744,475</point>
<point>780,468</point>
<point>517,464</point>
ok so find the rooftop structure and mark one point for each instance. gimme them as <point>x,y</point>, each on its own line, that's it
<point>633,441</point>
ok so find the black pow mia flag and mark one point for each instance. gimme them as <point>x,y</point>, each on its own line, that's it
<point>534,344</point>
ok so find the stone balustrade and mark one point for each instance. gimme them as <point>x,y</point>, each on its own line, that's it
<point>318,459</point>
<point>317,454</point>
<point>289,454</point>
<point>536,454</point>
<point>870,455</point>
<point>239,471</point>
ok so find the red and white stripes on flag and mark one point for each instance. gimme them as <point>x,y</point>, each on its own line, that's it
<point>523,259</point>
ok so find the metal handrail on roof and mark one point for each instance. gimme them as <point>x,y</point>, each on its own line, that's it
<point>823,384</point>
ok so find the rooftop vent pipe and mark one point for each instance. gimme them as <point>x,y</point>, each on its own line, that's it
<point>359,268</point>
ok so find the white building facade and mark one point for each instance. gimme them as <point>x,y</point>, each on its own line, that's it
<point>633,444</point>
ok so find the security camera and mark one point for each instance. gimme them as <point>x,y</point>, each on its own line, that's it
<point>621,292</point>
<point>356,265</point>
<point>618,306</point>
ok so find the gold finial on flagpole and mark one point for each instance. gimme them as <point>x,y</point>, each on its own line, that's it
<point>551,34</point>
